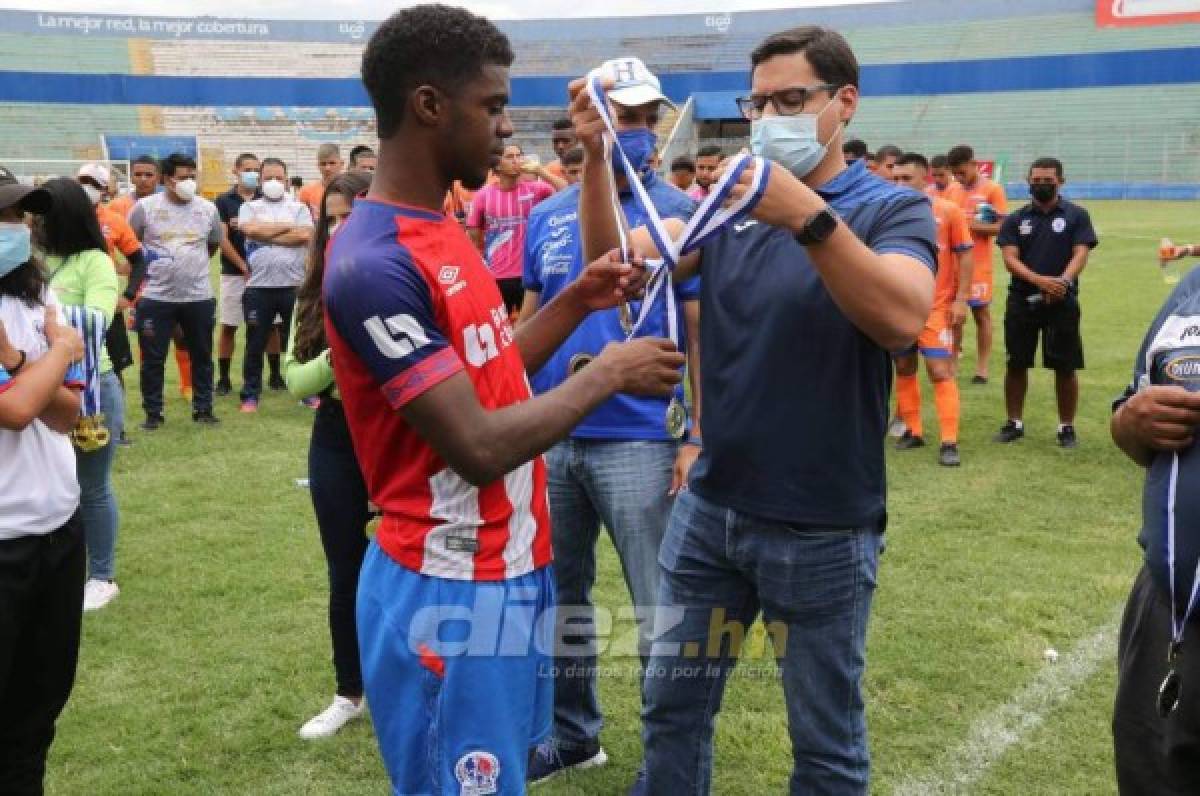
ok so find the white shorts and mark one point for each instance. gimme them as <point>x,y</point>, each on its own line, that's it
<point>232,287</point>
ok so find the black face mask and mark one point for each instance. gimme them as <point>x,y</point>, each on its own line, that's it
<point>1043,193</point>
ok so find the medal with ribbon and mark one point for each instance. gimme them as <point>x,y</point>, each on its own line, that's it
<point>710,217</point>
<point>90,433</point>
<point>1171,690</point>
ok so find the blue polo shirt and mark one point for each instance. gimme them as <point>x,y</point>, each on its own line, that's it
<point>229,204</point>
<point>1045,239</point>
<point>795,396</point>
<point>553,259</point>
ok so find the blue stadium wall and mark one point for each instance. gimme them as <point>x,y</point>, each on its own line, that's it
<point>1015,78</point>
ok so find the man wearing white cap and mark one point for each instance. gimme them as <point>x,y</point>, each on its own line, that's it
<point>119,236</point>
<point>620,467</point>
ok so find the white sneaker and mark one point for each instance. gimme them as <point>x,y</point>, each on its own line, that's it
<point>897,428</point>
<point>98,593</point>
<point>332,719</point>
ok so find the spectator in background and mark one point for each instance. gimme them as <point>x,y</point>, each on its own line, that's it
<point>234,269</point>
<point>562,138</point>
<point>1045,246</point>
<point>708,161</point>
<point>180,232</point>
<point>944,186</point>
<point>885,161</point>
<point>497,220</point>
<point>41,536</point>
<point>683,173</point>
<point>81,274</point>
<point>362,158</point>
<point>329,164</point>
<point>144,175</point>
<point>278,230</point>
<point>984,204</point>
<point>572,162</point>
<point>872,164</point>
<point>854,149</point>
<point>336,485</point>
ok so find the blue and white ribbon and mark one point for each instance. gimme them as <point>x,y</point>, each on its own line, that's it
<point>91,325</point>
<point>1178,623</point>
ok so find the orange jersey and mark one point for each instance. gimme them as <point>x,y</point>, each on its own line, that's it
<point>311,195</point>
<point>984,190</point>
<point>118,235</point>
<point>953,237</point>
<point>123,204</point>
<point>555,167</point>
<point>953,192</point>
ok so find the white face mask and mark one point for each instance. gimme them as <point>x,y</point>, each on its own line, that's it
<point>93,193</point>
<point>274,189</point>
<point>186,189</point>
<point>791,141</point>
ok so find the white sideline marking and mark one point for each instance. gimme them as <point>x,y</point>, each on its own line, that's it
<point>995,733</point>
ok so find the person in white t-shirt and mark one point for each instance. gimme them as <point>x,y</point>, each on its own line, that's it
<point>278,230</point>
<point>42,556</point>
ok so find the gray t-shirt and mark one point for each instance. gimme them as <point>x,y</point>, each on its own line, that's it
<point>176,238</point>
<point>272,265</point>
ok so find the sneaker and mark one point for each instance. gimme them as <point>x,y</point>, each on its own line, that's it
<point>897,428</point>
<point>550,760</point>
<point>223,387</point>
<point>910,441</point>
<point>977,379</point>
<point>152,423</point>
<point>332,718</point>
<point>948,455</point>
<point>277,383</point>
<point>206,417</point>
<point>1066,437</point>
<point>98,593</point>
<point>1009,432</point>
<point>249,406</point>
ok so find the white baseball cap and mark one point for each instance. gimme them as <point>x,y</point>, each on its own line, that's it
<point>632,83</point>
<point>95,172</point>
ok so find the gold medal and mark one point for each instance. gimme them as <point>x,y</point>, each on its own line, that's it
<point>90,434</point>
<point>578,363</point>
<point>677,417</point>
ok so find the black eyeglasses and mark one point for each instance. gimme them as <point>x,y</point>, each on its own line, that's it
<point>787,102</point>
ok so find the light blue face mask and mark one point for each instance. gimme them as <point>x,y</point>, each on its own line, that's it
<point>791,141</point>
<point>15,249</point>
<point>249,179</point>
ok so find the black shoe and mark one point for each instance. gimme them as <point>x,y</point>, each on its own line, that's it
<point>223,387</point>
<point>909,441</point>
<point>550,760</point>
<point>277,383</point>
<point>1009,432</point>
<point>152,423</point>
<point>208,418</point>
<point>977,379</point>
<point>948,455</point>
<point>1066,437</point>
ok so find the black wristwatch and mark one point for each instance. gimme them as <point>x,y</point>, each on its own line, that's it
<point>818,228</point>
<point>20,364</point>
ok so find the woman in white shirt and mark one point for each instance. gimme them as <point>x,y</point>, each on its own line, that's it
<point>41,537</point>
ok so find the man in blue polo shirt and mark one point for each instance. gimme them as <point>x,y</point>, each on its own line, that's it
<point>619,467</point>
<point>786,506</point>
<point>1045,246</point>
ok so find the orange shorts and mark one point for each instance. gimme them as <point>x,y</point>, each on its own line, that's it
<point>981,283</point>
<point>936,340</point>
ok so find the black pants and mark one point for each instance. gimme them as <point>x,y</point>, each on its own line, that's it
<point>260,305</point>
<point>41,605</point>
<point>156,322</point>
<point>339,497</point>
<point>1155,756</point>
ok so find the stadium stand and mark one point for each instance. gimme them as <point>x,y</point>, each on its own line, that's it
<point>1016,78</point>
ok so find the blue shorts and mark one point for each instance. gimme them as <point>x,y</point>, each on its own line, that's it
<point>458,675</point>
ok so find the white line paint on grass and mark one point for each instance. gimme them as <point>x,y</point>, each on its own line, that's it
<point>995,733</point>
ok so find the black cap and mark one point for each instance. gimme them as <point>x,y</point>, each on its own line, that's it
<point>14,192</point>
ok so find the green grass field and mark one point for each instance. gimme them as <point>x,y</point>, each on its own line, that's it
<point>196,679</point>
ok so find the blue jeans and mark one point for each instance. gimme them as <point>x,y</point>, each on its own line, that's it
<point>814,588</point>
<point>624,485</point>
<point>97,503</point>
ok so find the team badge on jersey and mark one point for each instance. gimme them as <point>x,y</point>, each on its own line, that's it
<point>478,772</point>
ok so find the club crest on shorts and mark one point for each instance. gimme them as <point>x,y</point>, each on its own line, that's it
<point>478,772</point>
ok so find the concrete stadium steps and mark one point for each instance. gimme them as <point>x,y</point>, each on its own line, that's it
<point>61,54</point>
<point>50,132</point>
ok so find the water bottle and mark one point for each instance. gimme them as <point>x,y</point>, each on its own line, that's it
<point>1168,264</point>
<point>985,213</point>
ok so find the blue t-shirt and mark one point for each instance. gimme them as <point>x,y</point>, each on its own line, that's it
<point>553,259</point>
<point>795,396</point>
<point>1170,354</point>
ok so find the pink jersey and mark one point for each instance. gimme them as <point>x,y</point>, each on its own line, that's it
<point>502,215</point>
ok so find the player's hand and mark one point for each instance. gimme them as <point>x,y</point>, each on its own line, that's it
<point>1053,287</point>
<point>607,281</point>
<point>683,465</point>
<point>1163,418</point>
<point>8,353</point>
<point>589,125</point>
<point>644,366</point>
<point>786,202</point>
<point>124,304</point>
<point>62,336</point>
<point>958,313</point>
